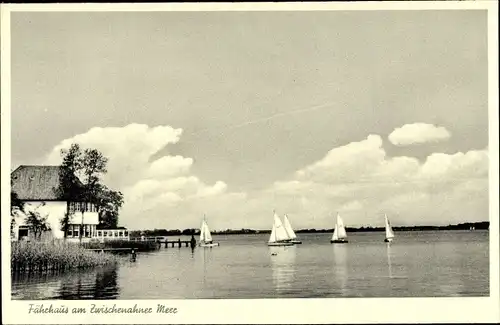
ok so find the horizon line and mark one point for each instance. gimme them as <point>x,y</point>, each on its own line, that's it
<point>352,227</point>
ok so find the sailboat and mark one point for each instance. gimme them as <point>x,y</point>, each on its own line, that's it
<point>279,236</point>
<point>389,234</point>
<point>289,231</point>
<point>339,234</point>
<point>205,236</point>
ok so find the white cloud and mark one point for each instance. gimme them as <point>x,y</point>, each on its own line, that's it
<point>167,166</point>
<point>358,180</point>
<point>418,133</point>
<point>128,148</point>
<point>152,188</point>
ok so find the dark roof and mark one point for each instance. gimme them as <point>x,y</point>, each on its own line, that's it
<point>33,183</point>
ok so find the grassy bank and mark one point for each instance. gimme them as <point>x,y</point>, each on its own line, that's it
<point>137,245</point>
<point>54,256</point>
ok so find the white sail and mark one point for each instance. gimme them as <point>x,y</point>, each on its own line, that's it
<point>208,235</point>
<point>205,235</point>
<point>388,229</point>
<point>339,232</point>
<point>272,238</point>
<point>288,228</point>
<point>202,231</point>
<point>278,233</point>
<point>341,229</point>
<point>335,236</point>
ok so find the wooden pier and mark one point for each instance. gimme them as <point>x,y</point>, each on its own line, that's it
<point>178,243</point>
<point>173,243</point>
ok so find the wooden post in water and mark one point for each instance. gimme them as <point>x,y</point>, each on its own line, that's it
<point>179,243</point>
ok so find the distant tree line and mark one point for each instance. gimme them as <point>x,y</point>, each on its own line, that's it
<point>164,232</point>
<point>190,231</point>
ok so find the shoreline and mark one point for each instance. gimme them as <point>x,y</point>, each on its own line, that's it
<point>484,225</point>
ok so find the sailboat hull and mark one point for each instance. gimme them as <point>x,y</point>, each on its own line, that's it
<point>209,245</point>
<point>296,242</point>
<point>339,241</point>
<point>280,244</point>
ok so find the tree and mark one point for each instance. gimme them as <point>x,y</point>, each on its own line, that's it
<point>80,177</point>
<point>69,185</point>
<point>189,231</point>
<point>36,223</point>
<point>93,165</point>
<point>108,204</point>
<point>16,205</point>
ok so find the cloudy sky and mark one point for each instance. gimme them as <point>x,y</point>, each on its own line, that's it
<point>234,114</point>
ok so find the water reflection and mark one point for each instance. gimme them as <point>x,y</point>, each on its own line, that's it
<point>389,264</point>
<point>283,266</point>
<point>341,267</point>
<point>449,266</point>
<point>99,283</point>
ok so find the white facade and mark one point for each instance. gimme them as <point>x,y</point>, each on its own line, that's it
<point>55,211</point>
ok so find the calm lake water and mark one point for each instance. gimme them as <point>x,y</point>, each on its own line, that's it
<point>422,264</point>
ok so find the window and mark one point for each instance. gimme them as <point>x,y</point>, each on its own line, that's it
<point>125,233</point>
<point>105,233</point>
<point>120,234</point>
<point>23,232</point>
<point>75,207</point>
<point>99,233</point>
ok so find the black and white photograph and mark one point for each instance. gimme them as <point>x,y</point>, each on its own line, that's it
<point>240,155</point>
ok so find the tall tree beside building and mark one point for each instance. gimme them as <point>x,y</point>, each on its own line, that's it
<point>88,166</point>
<point>70,187</point>
<point>109,203</point>
<point>93,166</point>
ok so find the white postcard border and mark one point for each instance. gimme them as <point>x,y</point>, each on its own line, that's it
<point>338,310</point>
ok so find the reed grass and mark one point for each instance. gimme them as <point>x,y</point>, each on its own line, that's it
<point>55,256</point>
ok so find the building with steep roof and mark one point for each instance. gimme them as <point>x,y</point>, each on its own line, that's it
<point>37,187</point>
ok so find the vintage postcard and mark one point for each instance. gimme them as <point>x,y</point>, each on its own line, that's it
<point>250,163</point>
